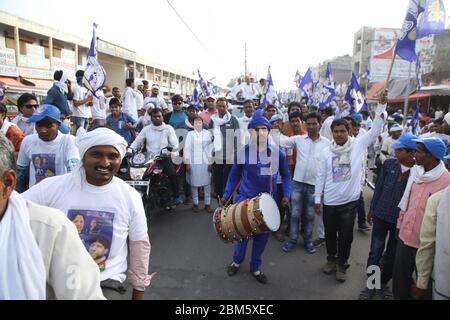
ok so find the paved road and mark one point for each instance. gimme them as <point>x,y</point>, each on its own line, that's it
<point>190,261</point>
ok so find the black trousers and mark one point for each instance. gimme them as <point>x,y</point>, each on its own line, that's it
<point>404,266</point>
<point>220,176</point>
<point>339,222</point>
<point>361,210</point>
<point>169,169</point>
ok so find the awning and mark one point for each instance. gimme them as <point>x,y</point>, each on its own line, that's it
<point>41,85</point>
<point>411,98</point>
<point>374,93</point>
<point>13,84</point>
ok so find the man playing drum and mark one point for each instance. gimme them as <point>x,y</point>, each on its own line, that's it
<point>255,171</point>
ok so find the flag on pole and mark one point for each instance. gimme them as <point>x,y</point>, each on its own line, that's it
<point>419,75</point>
<point>204,84</point>
<point>406,44</point>
<point>328,90</point>
<point>94,74</point>
<point>268,91</point>
<point>354,96</point>
<point>307,84</point>
<point>298,79</point>
<point>432,21</point>
<point>366,75</point>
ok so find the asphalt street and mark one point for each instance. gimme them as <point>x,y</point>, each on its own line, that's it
<point>190,263</point>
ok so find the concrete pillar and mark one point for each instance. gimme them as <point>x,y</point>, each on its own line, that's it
<point>50,49</point>
<point>76,56</point>
<point>17,44</point>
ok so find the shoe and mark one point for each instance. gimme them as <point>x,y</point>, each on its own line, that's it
<point>330,267</point>
<point>195,208</point>
<point>279,236</point>
<point>341,273</point>
<point>178,201</point>
<point>366,294</point>
<point>385,293</point>
<point>310,247</point>
<point>260,277</point>
<point>209,209</point>
<point>288,247</point>
<point>232,270</point>
<point>364,227</point>
<point>318,242</point>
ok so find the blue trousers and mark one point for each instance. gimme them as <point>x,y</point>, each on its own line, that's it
<point>259,244</point>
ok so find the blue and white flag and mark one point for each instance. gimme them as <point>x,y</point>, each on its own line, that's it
<point>419,75</point>
<point>432,21</point>
<point>94,74</point>
<point>298,79</point>
<point>414,123</point>
<point>354,95</point>
<point>2,91</point>
<point>197,94</point>
<point>307,84</point>
<point>204,85</point>
<point>328,90</point>
<point>268,91</point>
<point>366,75</point>
<point>406,44</point>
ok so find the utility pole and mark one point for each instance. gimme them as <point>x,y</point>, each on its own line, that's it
<point>245,60</point>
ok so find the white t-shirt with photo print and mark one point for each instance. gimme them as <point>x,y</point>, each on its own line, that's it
<point>116,208</point>
<point>47,159</point>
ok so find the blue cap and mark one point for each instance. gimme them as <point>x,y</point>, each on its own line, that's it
<point>435,146</point>
<point>406,141</point>
<point>275,117</point>
<point>357,116</point>
<point>52,112</point>
<point>259,120</point>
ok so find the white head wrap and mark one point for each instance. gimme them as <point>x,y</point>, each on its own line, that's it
<point>97,137</point>
<point>447,118</point>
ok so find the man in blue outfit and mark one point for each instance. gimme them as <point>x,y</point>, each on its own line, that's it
<point>256,168</point>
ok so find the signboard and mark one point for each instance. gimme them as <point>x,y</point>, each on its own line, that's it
<point>8,63</point>
<point>116,51</point>
<point>35,73</point>
<point>66,63</point>
<point>383,49</point>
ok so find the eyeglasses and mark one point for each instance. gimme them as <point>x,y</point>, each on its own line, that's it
<point>29,106</point>
<point>178,103</point>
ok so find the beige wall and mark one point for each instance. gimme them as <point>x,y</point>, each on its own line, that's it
<point>115,71</point>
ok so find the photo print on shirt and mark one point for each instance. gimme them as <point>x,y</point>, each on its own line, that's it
<point>44,166</point>
<point>96,231</point>
<point>341,172</point>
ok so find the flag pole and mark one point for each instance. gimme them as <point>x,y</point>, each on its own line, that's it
<point>405,109</point>
<point>390,68</point>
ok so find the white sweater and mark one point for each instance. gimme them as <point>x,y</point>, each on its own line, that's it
<point>341,184</point>
<point>156,140</point>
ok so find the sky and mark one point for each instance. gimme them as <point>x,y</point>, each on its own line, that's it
<point>285,34</point>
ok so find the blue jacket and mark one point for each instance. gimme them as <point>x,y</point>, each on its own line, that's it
<point>389,191</point>
<point>254,181</point>
<point>58,99</point>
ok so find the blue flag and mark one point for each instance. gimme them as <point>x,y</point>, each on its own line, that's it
<point>432,21</point>
<point>204,85</point>
<point>328,90</point>
<point>268,91</point>
<point>406,45</point>
<point>354,96</point>
<point>307,84</point>
<point>366,75</point>
<point>94,74</point>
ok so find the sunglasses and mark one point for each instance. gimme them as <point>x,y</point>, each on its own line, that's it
<point>29,106</point>
<point>178,103</point>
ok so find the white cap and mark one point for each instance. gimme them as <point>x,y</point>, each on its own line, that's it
<point>395,128</point>
<point>447,118</point>
<point>155,85</point>
<point>139,83</point>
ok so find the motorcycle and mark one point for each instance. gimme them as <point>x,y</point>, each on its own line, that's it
<point>144,173</point>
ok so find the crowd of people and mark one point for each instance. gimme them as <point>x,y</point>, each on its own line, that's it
<point>66,152</point>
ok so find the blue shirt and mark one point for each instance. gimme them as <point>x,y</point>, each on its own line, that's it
<point>123,120</point>
<point>256,177</point>
<point>58,99</point>
<point>389,191</point>
<point>175,119</point>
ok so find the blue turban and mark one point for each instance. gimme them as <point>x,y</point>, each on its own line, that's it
<point>259,120</point>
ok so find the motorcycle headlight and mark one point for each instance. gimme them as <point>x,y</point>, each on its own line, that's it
<point>137,173</point>
<point>157,171</point>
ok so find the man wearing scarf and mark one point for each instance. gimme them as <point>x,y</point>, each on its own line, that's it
<point>339,181</point>
<point>41,255</point>
<point>120,244</point>
<point>433,258</point>
<point>57,94</point>
<point>156,137</point>
<point>427,177</point>
<point>225,131</point>
<point>256,168</point>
